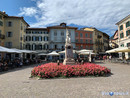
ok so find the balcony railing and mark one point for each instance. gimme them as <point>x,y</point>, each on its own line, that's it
<point>2,36</point>
<point>99,43</point>
<point>99,36</point>
<point>83,43</point>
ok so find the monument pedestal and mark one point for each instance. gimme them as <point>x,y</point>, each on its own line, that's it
<point>69,62</point>
<point>69,59</point>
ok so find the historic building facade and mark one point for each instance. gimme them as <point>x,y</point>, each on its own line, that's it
<point>15,33</point>
<point>99,46</point>
<point>37,39</point>
<point>113,42</point>
<point>57,36</point>
<point>106,41</point>
<point>124,34</point>
<point>2,23</point>
<point>12,30</point>
<point>84,40</point>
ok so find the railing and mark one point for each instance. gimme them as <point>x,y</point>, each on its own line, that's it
<point>99,43</point>
<point>99,36</point>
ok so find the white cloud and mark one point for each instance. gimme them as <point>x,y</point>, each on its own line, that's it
<point>28,11</point>
<point>102,14</point>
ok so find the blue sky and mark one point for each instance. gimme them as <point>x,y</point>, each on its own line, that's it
<point>102,14</point>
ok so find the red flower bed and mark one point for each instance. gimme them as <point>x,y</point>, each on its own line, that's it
<point>51,70</point>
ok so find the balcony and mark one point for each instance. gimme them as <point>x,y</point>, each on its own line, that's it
<point>99,36</point>
<point>83,43</point>
<point>2,36</point>
<point>99,43</point>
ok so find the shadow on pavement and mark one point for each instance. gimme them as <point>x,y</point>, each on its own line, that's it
<point>21,68</point>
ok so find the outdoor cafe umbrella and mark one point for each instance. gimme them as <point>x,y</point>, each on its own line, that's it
<point>9,50</point>
<point>2,50</point>
<point>87,53</point>
<point>85,50</point>
<point>74,51</point>
<point>121,49</point>
<point>42,54</point>
<point>54,53</point>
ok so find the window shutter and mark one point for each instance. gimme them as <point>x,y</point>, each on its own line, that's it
<point>126,33</point>
<point>7,34</point>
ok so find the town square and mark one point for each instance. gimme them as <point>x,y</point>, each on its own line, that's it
<point>57,50</point>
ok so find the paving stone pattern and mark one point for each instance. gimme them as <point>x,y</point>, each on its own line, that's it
<point>16,84</point>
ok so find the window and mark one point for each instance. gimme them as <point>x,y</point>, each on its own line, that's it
<point>0,17</point>
<point>40,38</point>
<point>90,41</point>
<point>1,23</point>
<point>55,46</point>
<point>37,38</point>
<point>81,47</point>
<point>128,33</point>
<point>28,46</point>
<point>21,26</point>
<point>62,33</point>
<point>76,40</point>
<point>28,38</point>
<point>128,44</point>
<point>86,41</point>
<point>33,38</point>
<point>76,34</point>
<point>86,35</point>
<point>122,35</point>
<point>21,46</point>
<point>33,32</point>
<point>62,47</point>
<point>122,45</point>
<point>81,35</point>
<point>128,24</point>
<point>90,35</point>
<point>25,28</point>
<point>9,44</point>
<point>21,38</point>
<point>40,32</point>
<point>28,32</point>
<point>40,47</point>
<point>91,47</point>
<point>81,40</point>
<point>86,47</point>
<point>55,33</point>
<point>45,38</point>
<point>9,24</point>
<point>45,32</point>
<point>33,46</point>
<point>46,46</point>
<point>121,27</point>
<point>9,34</point>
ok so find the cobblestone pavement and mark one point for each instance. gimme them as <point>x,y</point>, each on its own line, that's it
<point>16,84</point>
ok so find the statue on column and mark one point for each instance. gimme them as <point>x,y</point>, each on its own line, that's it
<point>69,59</point>
<point>68,37</point>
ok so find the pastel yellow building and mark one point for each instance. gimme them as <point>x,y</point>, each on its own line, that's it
<point>2,34</point>
<point>100,40</point>
<point>14,30</point>
<point>124,35</point>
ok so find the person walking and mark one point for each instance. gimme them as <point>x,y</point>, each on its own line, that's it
<point>110,58</point>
